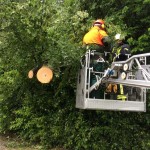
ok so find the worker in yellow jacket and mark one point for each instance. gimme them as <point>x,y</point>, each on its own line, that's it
<point>97,38</point>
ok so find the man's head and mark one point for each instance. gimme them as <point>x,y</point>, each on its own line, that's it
<point>100,23</point>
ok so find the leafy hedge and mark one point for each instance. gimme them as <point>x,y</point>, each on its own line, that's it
<point>33,32</point>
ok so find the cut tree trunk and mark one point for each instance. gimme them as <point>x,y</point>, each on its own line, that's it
<point>44,74</point>
<point>33,71</point>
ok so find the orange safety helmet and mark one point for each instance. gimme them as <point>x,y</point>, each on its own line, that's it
<point>99,22</point>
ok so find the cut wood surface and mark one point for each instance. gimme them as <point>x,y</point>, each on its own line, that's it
<point>30,74</point>
<point>33,71</point>
<point>44,74</point>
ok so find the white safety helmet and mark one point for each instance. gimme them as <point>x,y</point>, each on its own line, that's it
<point>118,36</point>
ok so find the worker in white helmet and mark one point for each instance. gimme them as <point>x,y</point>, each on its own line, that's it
<point>121,52</point>
<point>120,49</point>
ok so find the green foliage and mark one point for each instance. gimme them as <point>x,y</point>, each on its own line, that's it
<point>35,32</point>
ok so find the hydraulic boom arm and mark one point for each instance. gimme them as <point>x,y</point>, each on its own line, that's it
<point>135,71</point>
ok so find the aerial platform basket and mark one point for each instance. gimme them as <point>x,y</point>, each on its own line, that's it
<point>133,74</point>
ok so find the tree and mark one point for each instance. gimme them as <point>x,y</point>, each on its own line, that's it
<point>49,32</point>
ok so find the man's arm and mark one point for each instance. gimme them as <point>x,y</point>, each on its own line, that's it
<point>107,43</point>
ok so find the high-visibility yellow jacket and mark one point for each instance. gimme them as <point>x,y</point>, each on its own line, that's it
<point>121,50</point>
<point>94,36</point>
